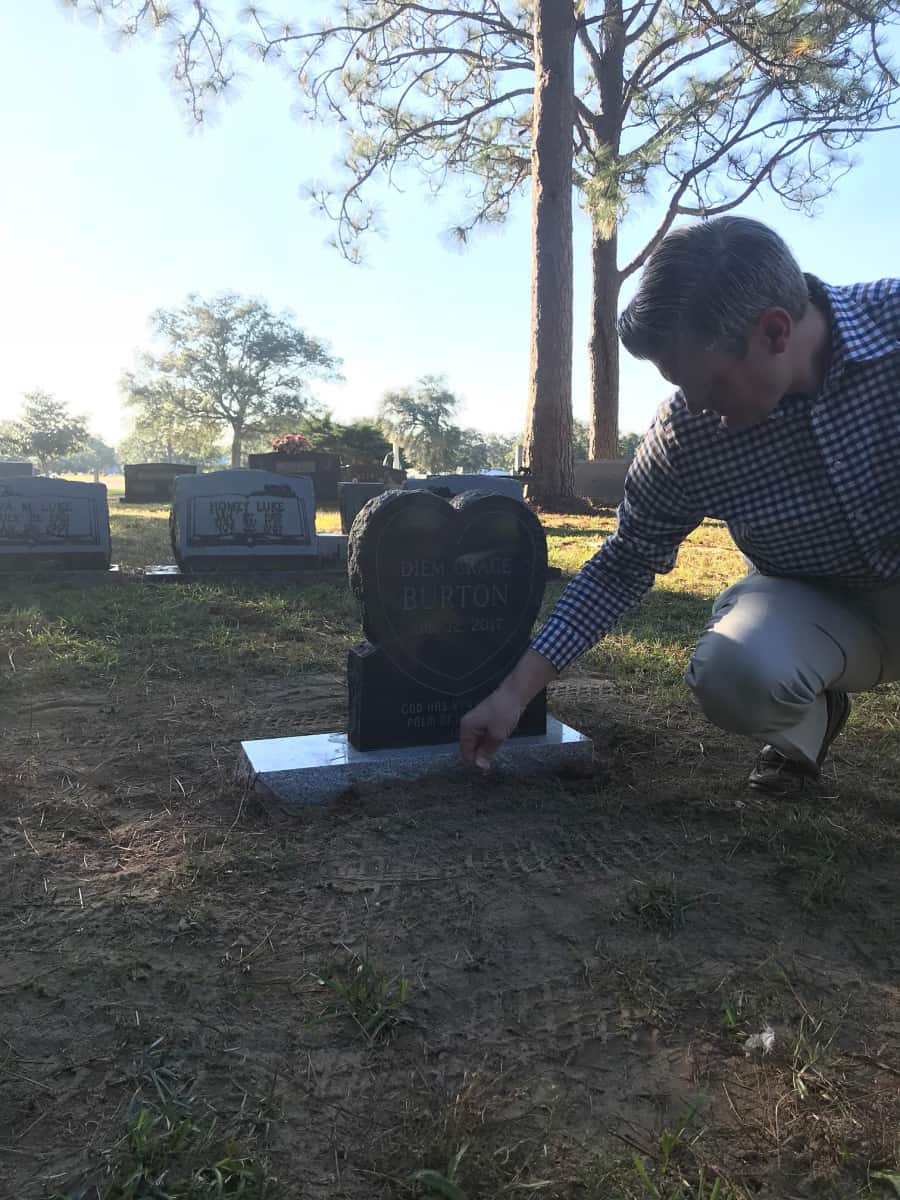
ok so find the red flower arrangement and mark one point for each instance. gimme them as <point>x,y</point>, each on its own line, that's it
<point>290,443</point>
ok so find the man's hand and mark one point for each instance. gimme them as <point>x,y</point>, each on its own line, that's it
<point>486,727</point>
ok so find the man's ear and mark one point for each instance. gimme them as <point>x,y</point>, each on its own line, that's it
<point>775,327</point>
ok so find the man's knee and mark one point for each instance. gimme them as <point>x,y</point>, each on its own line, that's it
<point>745,688</point>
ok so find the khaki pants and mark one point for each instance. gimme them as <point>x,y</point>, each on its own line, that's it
<point>774,645</point>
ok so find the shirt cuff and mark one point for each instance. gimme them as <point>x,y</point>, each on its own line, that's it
<point>560,643</point>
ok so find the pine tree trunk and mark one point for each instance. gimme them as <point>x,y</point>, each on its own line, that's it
<point>603,349</point>
<point>236,448</point>
<point>548,430</point>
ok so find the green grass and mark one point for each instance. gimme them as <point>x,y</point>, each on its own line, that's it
<point>663,904</point>
<point>673,901</point>
<point>175,1146</point>
<point>374,1002</point>
<point>140,533</point>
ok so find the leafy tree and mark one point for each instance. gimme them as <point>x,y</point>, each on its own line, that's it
<point>95,456</point>
<point>501,450</point>
<point>627,444</point>
<point>470,451</point>
<point>230,364</point>
<point>45,430</point>
<point>357,442</point>
<point>687,106</point>
<point>9,439</point>
<point>421,418</point>
<point>362,441</point>
<point>159,435</point>
<point>580,439</point>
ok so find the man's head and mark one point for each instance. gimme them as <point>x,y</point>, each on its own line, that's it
<point>718,310</point>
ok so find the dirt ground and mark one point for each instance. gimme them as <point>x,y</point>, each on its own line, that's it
<point>585,957</point>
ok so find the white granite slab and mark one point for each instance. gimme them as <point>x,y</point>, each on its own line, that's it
<point>317,767</point>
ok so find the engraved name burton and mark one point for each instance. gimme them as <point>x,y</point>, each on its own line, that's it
<point>436,583</point>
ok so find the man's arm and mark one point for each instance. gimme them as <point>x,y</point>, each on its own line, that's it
<point>656,515</point>
<point>484,730</point>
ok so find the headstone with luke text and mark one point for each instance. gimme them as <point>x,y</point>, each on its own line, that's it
<point>55,524</point>
<point>243,520</point>
<point>449,592</point>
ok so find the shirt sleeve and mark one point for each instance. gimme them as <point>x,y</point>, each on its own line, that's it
<point>655,516</point>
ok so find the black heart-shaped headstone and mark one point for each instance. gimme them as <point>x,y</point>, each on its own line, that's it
<point>449,590</point>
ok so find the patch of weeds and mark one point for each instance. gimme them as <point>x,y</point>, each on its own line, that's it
<point>663,903</point>
<point>890,1179</point>
<point>438,1183</point>
<point>373,1000</point>
<point>742,1016</point>
<point>175,1148</point>
<point>815,867</point>
<point>675,1169</point>
<point>487,1139</point>
<point>812,1061</point>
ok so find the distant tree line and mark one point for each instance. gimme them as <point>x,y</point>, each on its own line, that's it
<point>227,376</point>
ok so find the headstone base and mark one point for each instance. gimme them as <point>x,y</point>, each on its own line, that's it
<point>67,575</point>
<point>318,767</point>
<point>314,568</point>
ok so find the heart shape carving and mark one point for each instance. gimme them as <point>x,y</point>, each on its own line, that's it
<point>449,590</point>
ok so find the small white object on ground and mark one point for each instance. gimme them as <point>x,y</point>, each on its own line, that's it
<point>760,1041</point>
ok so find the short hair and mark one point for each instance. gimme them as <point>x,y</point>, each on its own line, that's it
<point>709,282</point>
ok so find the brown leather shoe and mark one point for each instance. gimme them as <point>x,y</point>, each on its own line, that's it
<point>777,775</point>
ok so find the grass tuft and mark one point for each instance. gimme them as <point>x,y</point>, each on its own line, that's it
<point>374,1001</point>
<point>175,1148</point>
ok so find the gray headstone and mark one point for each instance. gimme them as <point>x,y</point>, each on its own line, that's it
<point>352,497</point>
<point>153,483</point>
<point>449,486</point>
<point>54,523</point>
<point>243,520</point>
<point>15,468</point>
<point>602,480</point>
<point>332,548</point>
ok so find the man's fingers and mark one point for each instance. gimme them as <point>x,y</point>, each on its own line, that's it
<point>469,737</point>
<point>483,730</point>
<point>487,749</point>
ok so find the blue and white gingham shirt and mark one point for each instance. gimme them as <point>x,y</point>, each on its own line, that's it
<point>812,492</point>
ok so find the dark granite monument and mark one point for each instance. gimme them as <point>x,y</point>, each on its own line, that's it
<point>372,473</point>
<point>454,485</point>
<point>354,496</point>
<point>602,480</point>
<point>55,524</point>
<point>8,469</point>
<point>449,592</point>
<point>323,469</point>
<point>153,483</point>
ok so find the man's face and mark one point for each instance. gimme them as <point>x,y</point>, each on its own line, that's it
<point>742,390</point>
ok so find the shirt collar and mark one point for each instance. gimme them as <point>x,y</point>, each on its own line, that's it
<point>854,335</point>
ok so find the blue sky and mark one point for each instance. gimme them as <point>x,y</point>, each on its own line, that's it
<point>111,206</point>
